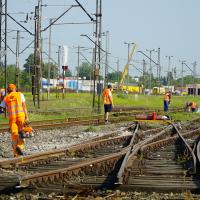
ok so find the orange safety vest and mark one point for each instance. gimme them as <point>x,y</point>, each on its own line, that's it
<point>167,97</point>
<point>194,105</point>
<point>14,105</point>
<point>106,98</point>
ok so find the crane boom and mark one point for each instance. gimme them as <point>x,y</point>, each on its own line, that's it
<point>127,64</point>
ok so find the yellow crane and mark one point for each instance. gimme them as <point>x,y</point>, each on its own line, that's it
<point>122,86</point>
<point>124,74</point>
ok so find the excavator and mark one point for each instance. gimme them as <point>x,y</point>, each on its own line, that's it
<point>128,87</point>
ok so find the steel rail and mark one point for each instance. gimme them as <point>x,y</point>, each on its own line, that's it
<point>167,141</point>
<point>130,146</point>
<point>94,164</point>
<point>136,148</point>
<point>116,112</point>
<point>43,156</point>
<point>198,150</point>
<point>188,147</point>
<point>97,121</point>
<point>105,163</point>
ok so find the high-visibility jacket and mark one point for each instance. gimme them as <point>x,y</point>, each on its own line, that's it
<point>14,105</point>
<point>167,97</point>
<point>107,96</point>
<point>194,105</point>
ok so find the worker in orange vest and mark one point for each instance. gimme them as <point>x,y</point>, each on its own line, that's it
<point>192,106</point>
<point>15,105</point>
<point>108,102</point>
<point>167,98</point>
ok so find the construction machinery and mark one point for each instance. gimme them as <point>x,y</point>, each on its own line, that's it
<point>128,87</point>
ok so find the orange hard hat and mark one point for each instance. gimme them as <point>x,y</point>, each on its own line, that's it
<point>11,86</point>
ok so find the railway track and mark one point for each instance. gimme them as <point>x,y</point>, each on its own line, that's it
<point>77,159</point>
<point>162,159</point>
<point>168,165</point>
<point>162,166</point>
<point>119,114</point>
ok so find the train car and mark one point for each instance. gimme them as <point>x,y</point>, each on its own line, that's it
<point>158,90</point>
<point>131,88</point>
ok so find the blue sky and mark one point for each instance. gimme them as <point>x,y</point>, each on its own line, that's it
<point>171,25</point>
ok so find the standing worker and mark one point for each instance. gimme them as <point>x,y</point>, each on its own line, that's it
<point>2,94</point>
<point>108,102</point>
<point>15,104</point>
<point>167,98</point>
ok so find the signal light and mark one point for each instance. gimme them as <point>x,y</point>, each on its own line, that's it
<point>65,68</point>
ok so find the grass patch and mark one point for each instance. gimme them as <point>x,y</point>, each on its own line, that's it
<point>91,129</point>
<point>80,104</point>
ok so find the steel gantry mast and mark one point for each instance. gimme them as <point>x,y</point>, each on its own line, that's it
<point>97,52</point>
<point>3,40</point>
<point>36,77</point>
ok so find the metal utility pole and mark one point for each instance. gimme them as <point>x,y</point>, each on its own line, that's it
<point>97,52</point>
<point>58,70</point>
<point>59,53</point>
<point>49,61</point>
<point>168,71</point>
<point>3,39</point>
<point>159,70</point>
<point>159,66</point>
<point>17,60</point>
<point>194,70</point>
<point>182,63</point>
<point>106,60</point>
<point>99,13</point>
<point>144,72</point>
<point>150,65</point>
<point>36,77</point>
<point>78,68</point>
<point>193,74</point>
<point>118,74</point>
<point>128,43</point>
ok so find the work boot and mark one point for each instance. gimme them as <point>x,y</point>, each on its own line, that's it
<point>107,122</point>
<point>19,151</point>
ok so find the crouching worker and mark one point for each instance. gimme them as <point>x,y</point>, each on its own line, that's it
<point>15,105</point>
<point>191,107</point>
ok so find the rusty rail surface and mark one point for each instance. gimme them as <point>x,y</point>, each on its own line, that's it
<point>99,163</point>
<point>130,146</point>
<point>56,153</point>
<point>198,151</point>
<point>102,165</point>
<point>122,174</point>
<point>167,141</point>
<point>188,147</point>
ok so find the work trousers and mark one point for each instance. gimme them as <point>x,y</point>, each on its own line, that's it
<point>16,126</point>
<point>166,105</point>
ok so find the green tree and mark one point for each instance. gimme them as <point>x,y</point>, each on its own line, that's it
<point>28,66</point>
<point>68,73</point>
<point>85,70</point>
